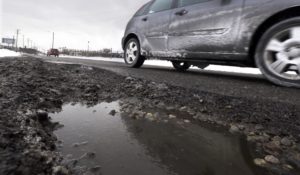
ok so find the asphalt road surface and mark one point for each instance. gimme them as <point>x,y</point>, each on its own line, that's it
<point>224,83</point>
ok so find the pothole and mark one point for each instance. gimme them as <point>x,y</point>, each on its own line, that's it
<point>100,139</point>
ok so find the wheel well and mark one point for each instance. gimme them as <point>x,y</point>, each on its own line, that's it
<point>280,16</point>
<point>132,35</point>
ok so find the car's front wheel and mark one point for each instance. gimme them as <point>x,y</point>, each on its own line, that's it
<point>132,54</point>
<point>181,65</point>
<point>278,53</point>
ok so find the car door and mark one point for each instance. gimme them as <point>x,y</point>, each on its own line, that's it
<point>139,26</point>
<point>158,20</point>
<point>205,26</point>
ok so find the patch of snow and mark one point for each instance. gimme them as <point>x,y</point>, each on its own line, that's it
<point>246,70</point>
<point>8,53</point>
<point>222,68</point>
<point>94,58</point>
<point>158,63</point>
<point>163,63</point>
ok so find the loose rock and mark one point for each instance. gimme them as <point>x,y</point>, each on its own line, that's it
<point>286,141</point>
<point>260,162</point>
<point>272,159</point>
<point>234,129</point>
<point>184,108</point>
<point>60,170</point>
<point>288,167</point>
<point>171,116</point>
<point>186,121</point>
<point>150,116</point>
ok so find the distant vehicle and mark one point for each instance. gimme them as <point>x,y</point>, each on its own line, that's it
<point>252,33</point>
<point>54,52</point>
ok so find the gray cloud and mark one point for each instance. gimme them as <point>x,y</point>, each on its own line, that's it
<point>74,21</point>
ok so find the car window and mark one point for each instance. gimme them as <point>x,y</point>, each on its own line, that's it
<point>142,10</point>
<point>160,5</point>
<point>182,3</point>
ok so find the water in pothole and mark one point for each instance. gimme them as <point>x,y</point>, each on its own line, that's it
<point>124,146</point>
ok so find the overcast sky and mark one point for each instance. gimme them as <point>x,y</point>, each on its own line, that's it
<point>75,22</point>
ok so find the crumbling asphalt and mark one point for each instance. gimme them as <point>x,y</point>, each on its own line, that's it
<point>30,88</point>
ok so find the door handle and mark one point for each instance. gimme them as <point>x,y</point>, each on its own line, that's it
<point>181,12</point>
<point>145,19</point>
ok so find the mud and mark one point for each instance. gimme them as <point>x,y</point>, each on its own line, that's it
<point>31,88</point>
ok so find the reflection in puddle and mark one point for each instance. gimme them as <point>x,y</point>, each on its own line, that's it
<point>123,146</point>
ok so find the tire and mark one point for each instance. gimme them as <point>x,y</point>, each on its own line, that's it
<point>277,54</point>
<point>132,54</point>
<point>181,66</point>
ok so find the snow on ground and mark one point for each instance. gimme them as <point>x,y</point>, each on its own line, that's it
<point>235,69</point>
<point>169,64</point>
<point>8,53</point>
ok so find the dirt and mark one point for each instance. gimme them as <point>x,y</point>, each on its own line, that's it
<point>31,88</point>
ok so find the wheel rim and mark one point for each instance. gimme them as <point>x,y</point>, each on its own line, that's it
<point>282,54</point>
<point>181,64</point>
<point>131,52</point>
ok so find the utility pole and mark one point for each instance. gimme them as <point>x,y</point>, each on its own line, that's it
<point>53,40</point>
<point>88,49</point>
<point>23,42</point>
<point>27,42</point>
<point>13,43</point>
<point>17,39</point>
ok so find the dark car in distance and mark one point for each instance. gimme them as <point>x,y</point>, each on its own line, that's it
<point>54,52</point>
<point>251,33</point>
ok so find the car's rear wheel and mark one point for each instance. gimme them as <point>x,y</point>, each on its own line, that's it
<point>132,54</point>
<point>278,53</point>
<point>181,65</point>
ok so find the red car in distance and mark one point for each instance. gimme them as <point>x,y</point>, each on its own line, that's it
<point>54,52</point>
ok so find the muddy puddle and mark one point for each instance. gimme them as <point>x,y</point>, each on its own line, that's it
<point>119,145</point>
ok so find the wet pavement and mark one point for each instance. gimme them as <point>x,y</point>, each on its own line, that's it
<point>116,144</point>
